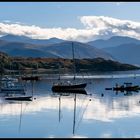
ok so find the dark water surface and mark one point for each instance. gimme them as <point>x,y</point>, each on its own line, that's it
<point>101,113</point>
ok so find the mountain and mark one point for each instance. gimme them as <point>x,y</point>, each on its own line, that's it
<point>81,50</point>
<point>113,42</point>
<point>30,53</point>
<point>62,50</point>
<point>14,38</point>
<point>23,49</point>
<point>127,53</point>
<point>24,39</point>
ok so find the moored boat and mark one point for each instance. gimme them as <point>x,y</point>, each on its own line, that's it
<point>69,86</point>
<point>19,98</point>
<point>79,88</point>
<point>128,88</point>
<point>36,78</point>
<point>11,86</point>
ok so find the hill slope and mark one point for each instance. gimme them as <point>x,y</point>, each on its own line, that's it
<point>62,50</point>
<point>81,50</point>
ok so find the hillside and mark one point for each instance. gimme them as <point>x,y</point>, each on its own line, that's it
<point>81,50</point>
<point>66,65</point>
<point>58,50</point>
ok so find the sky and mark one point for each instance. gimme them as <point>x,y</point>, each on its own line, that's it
<point>80,21</point>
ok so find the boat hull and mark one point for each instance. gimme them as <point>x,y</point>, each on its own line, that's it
<point>131,88</point>
<point>24,98</point>
<point>36,78</point>
<point>69,88</point>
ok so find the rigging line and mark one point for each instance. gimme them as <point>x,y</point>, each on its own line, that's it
<point>81,105</point>
<point>20,118</point>
<point>82,116</point>
<point>56,127</point>
<point>32,98</point>
<point>80,110</point>
<point>26,106</point>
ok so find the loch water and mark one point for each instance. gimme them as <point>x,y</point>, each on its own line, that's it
<point>99,114</point>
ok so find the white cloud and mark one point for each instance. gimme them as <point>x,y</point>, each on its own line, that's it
<point>94,27</point>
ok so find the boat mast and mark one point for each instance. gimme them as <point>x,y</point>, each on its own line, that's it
<point>59,108</point>
<point>20,118</point>
<point>59,69</point>
<point>74,71</point>
<point>1,69</point>
<point>74,114</point>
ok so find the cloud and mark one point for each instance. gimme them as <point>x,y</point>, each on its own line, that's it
<point>94,27</point>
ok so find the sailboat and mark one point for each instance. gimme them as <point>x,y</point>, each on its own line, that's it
<point>21,98</point>
<point>69,87</point>
<point>11,85</point>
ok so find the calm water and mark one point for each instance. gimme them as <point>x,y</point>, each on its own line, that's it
<point>52,116</point>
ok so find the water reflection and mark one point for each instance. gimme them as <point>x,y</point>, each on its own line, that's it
<point>99,113</point>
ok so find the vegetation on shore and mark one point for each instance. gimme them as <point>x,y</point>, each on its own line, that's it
<point>53,65</point>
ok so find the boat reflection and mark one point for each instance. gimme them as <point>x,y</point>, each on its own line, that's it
<point>81,110</point>
<point>75,92</point>
<point>22,110</point>
<point>99,109</point>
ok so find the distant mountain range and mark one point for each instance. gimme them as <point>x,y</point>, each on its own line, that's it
<point>81,50</point>
<point>126,53</point>
<point>113,42</point>
<point>119,48</point>
<point>20,46</point>
<point>123,49</point>
<point>24,39</point>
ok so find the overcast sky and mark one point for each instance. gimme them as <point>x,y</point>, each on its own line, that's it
<point>80,21</point>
